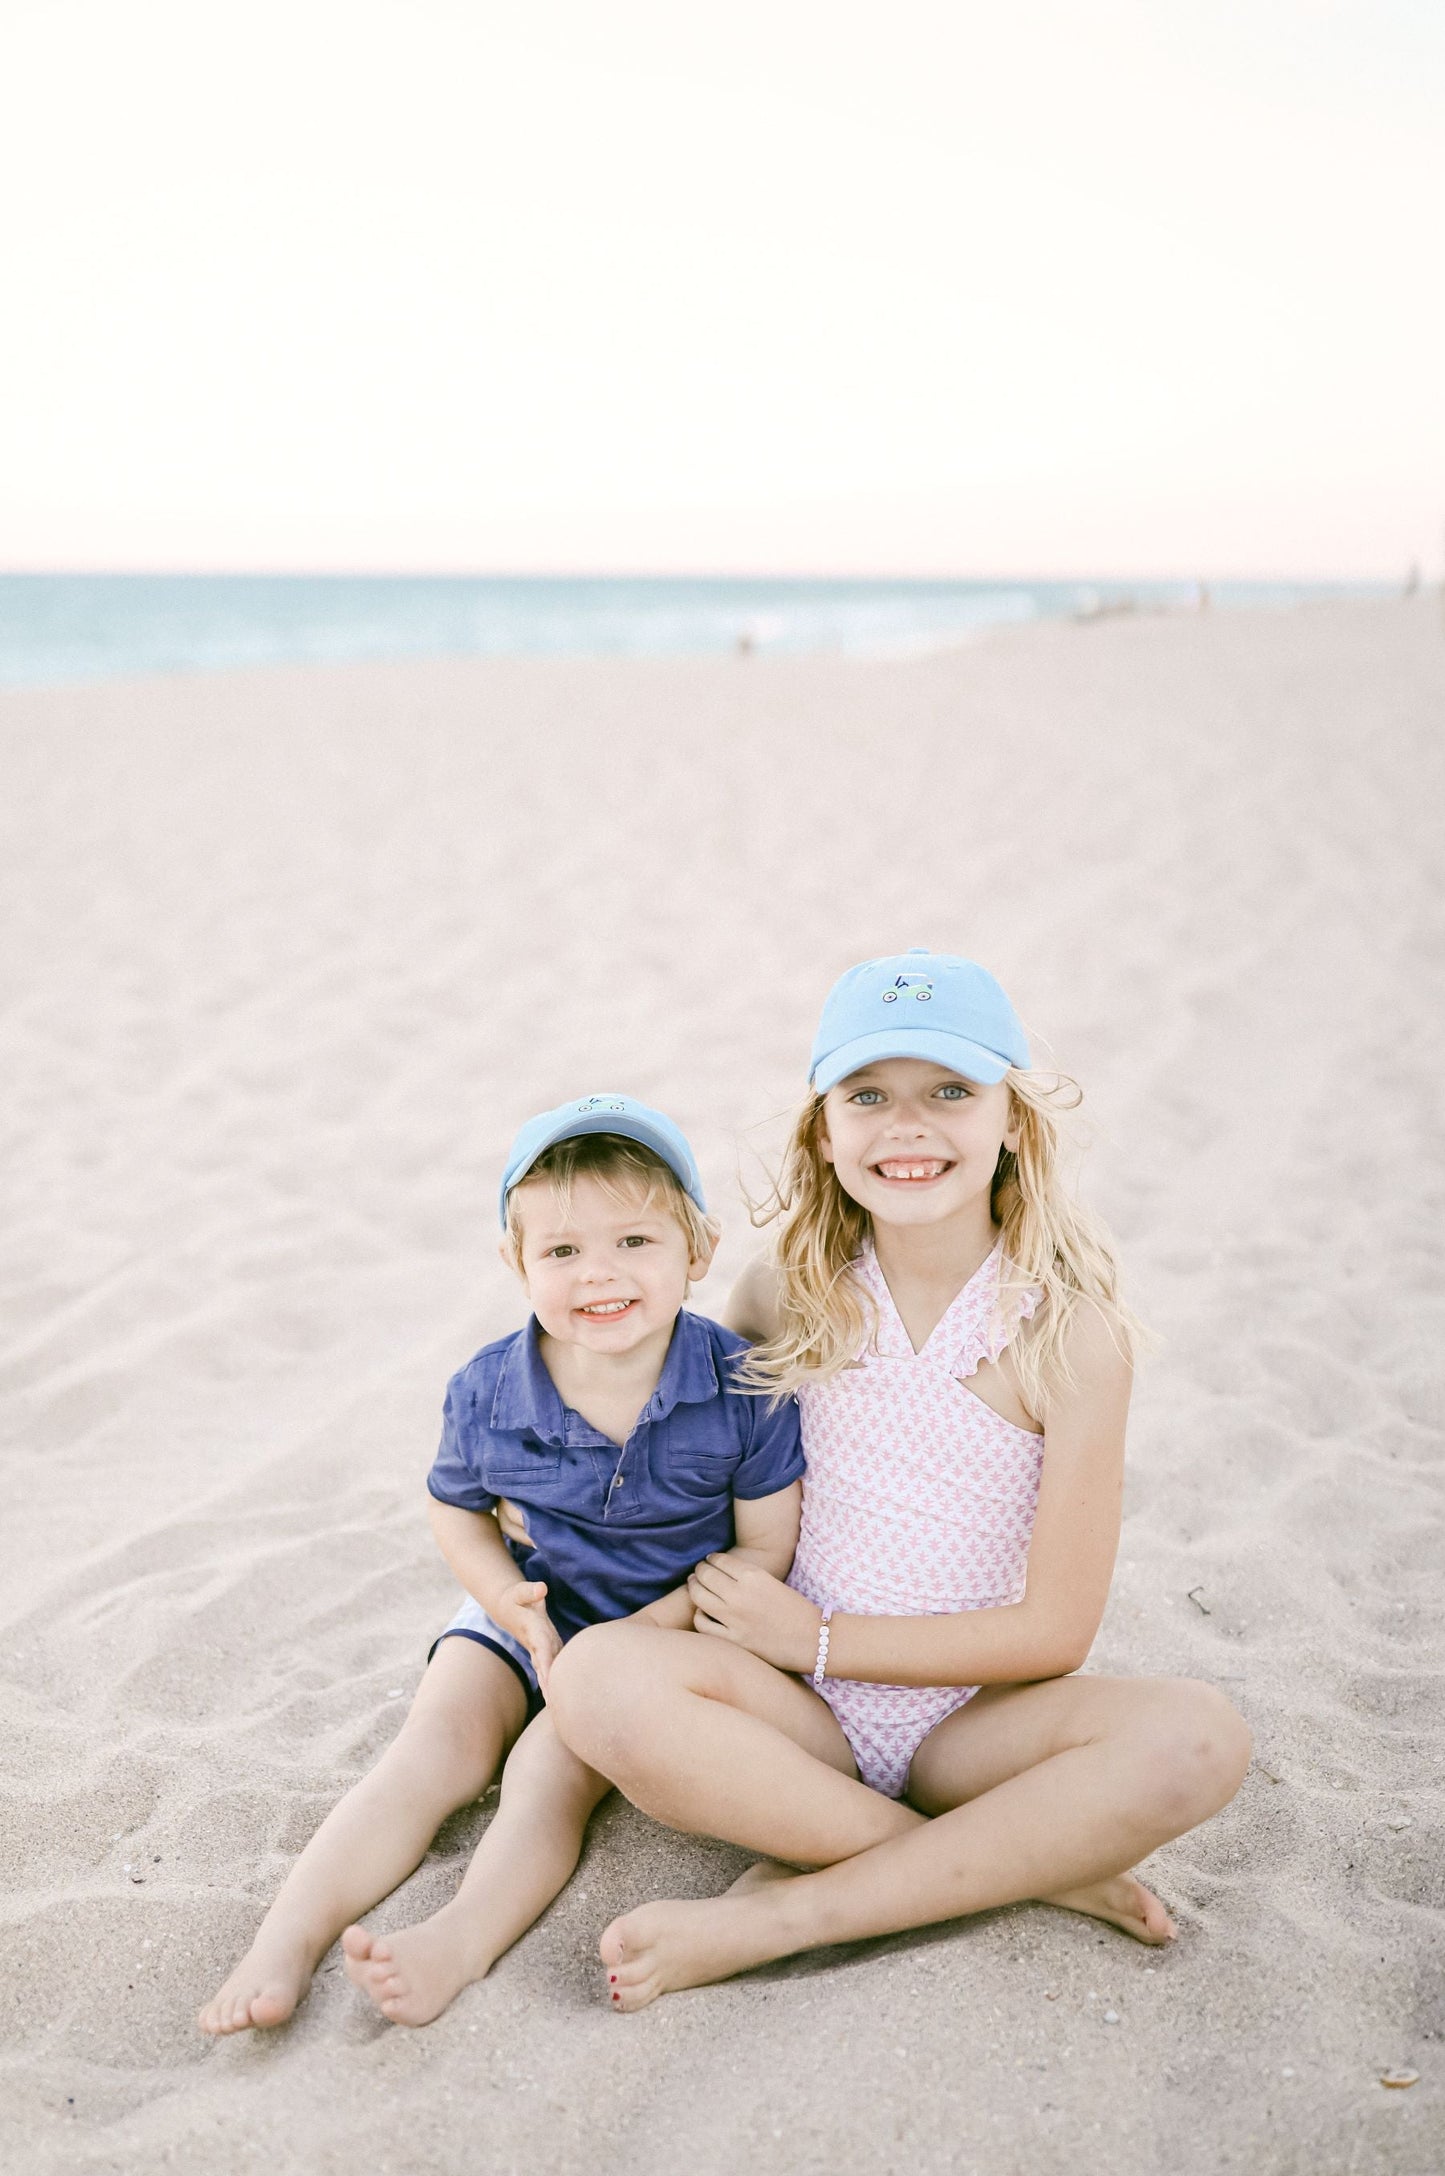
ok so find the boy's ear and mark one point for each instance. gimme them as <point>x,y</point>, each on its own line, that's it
<point>504,1257</point>
<point>700,1264</point>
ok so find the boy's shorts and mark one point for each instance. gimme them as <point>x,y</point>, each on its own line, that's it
<point>471,1622</point>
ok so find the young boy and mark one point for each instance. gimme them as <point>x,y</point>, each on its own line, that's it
<point>610,1423</point>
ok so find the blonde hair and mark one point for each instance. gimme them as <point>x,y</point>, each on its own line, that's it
<point>1051,1245</point>
<point>623,1170</point>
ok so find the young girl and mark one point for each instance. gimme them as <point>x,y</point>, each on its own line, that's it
<point>901,1713</point>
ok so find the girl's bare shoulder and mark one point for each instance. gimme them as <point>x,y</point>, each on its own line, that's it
<point>1097,1370</point>
<point>754,1306</point>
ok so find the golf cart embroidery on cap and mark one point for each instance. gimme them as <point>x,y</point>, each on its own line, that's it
<point>919,987</point>
<point>600,1103</point>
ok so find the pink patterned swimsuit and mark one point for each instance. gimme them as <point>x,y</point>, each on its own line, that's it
<point>918,1499</point>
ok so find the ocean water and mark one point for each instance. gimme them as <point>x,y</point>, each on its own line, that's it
<point>64,627</point>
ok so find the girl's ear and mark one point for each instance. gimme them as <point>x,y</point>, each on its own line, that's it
<point>1013,1133</point>
<point>825,1146</point>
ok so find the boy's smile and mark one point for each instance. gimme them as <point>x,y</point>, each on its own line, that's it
<point>607,1274</point>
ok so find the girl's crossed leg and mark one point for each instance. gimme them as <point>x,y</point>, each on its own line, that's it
<point>468,1709</point>
<point>1049,1791</point>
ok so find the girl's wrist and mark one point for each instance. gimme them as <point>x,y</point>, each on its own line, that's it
<point>817,1663</point>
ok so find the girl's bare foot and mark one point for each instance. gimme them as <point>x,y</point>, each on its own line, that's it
<point>413,1975</point>
<point>1125,1903</point>
<point>760,1875</point>
<point>661,1947</point>
<point>263,1990</point>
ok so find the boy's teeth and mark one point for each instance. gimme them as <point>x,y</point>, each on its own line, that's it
<point>606,1307</point>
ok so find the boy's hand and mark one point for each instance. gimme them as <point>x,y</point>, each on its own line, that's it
<point>522,1611</point>
<point>738,1601</point>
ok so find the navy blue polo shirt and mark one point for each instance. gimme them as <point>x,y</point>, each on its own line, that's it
<point>613,1526</point>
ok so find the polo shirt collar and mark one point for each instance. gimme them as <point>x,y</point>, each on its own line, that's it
<point>527,1400</point>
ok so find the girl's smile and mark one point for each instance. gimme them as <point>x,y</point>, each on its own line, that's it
<point>907,1137</point>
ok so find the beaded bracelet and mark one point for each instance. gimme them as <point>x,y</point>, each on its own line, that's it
<point>820,1667</point>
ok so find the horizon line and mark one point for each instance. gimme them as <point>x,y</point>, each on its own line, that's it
<point>652,574</point>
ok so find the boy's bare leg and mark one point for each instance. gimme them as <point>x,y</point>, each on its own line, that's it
<point>468,1709</point>
<point>524,1860</point>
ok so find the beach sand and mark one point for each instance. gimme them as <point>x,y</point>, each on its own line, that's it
<point>290,954</point>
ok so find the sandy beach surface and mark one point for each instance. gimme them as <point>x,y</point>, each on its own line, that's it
<point>290,953</point>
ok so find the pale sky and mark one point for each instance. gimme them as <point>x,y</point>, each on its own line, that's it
<point>1135,286</point>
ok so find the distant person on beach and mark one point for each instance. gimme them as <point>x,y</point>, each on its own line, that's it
<point>902,1713</point>
<point>613,1425</point>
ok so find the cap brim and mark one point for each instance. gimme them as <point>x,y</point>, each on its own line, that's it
<point>619,1122</point>
<point>970,1060</point>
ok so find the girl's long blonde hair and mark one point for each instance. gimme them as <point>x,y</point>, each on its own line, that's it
<point>1051,1245</point>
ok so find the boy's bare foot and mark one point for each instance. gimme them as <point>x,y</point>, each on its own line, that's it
<point>411,1976</point>
<point>1125,1903</point>
<point>263,1990</point>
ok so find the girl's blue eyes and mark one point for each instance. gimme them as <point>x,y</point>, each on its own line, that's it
<point>951,1091</point>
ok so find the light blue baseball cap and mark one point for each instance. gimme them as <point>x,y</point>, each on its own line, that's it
<point>917,1004</point>
<point>603,1114</point>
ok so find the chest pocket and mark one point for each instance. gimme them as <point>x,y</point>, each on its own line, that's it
<point>680,1465</point>
<point>516,1462</point>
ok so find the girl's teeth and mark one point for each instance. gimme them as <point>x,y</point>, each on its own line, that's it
<point>911,1171</point>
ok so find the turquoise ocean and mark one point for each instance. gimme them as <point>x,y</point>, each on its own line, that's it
<point>56,628</point>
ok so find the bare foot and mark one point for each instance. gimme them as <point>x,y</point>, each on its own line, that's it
<point>1125,1903</point>
<point>412,1976</point>
<point>661,1947</point>
<point>263,1990</point>
<point>760,1875</point>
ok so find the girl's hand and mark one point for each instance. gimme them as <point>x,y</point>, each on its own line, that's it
<point>513,1523</point>
<point>737,1601</point>
<point>522,1611</point>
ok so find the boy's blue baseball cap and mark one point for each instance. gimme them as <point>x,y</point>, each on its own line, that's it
<point>917,1004</point>
<point>603,1114</point>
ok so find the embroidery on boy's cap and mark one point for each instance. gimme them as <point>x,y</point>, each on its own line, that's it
<point>600,1103</point>
<point>919,986</point>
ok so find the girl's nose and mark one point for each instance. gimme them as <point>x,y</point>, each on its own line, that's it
<point>907,1124</point>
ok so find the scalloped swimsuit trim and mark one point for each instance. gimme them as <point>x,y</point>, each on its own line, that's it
<point>918,1499</point>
